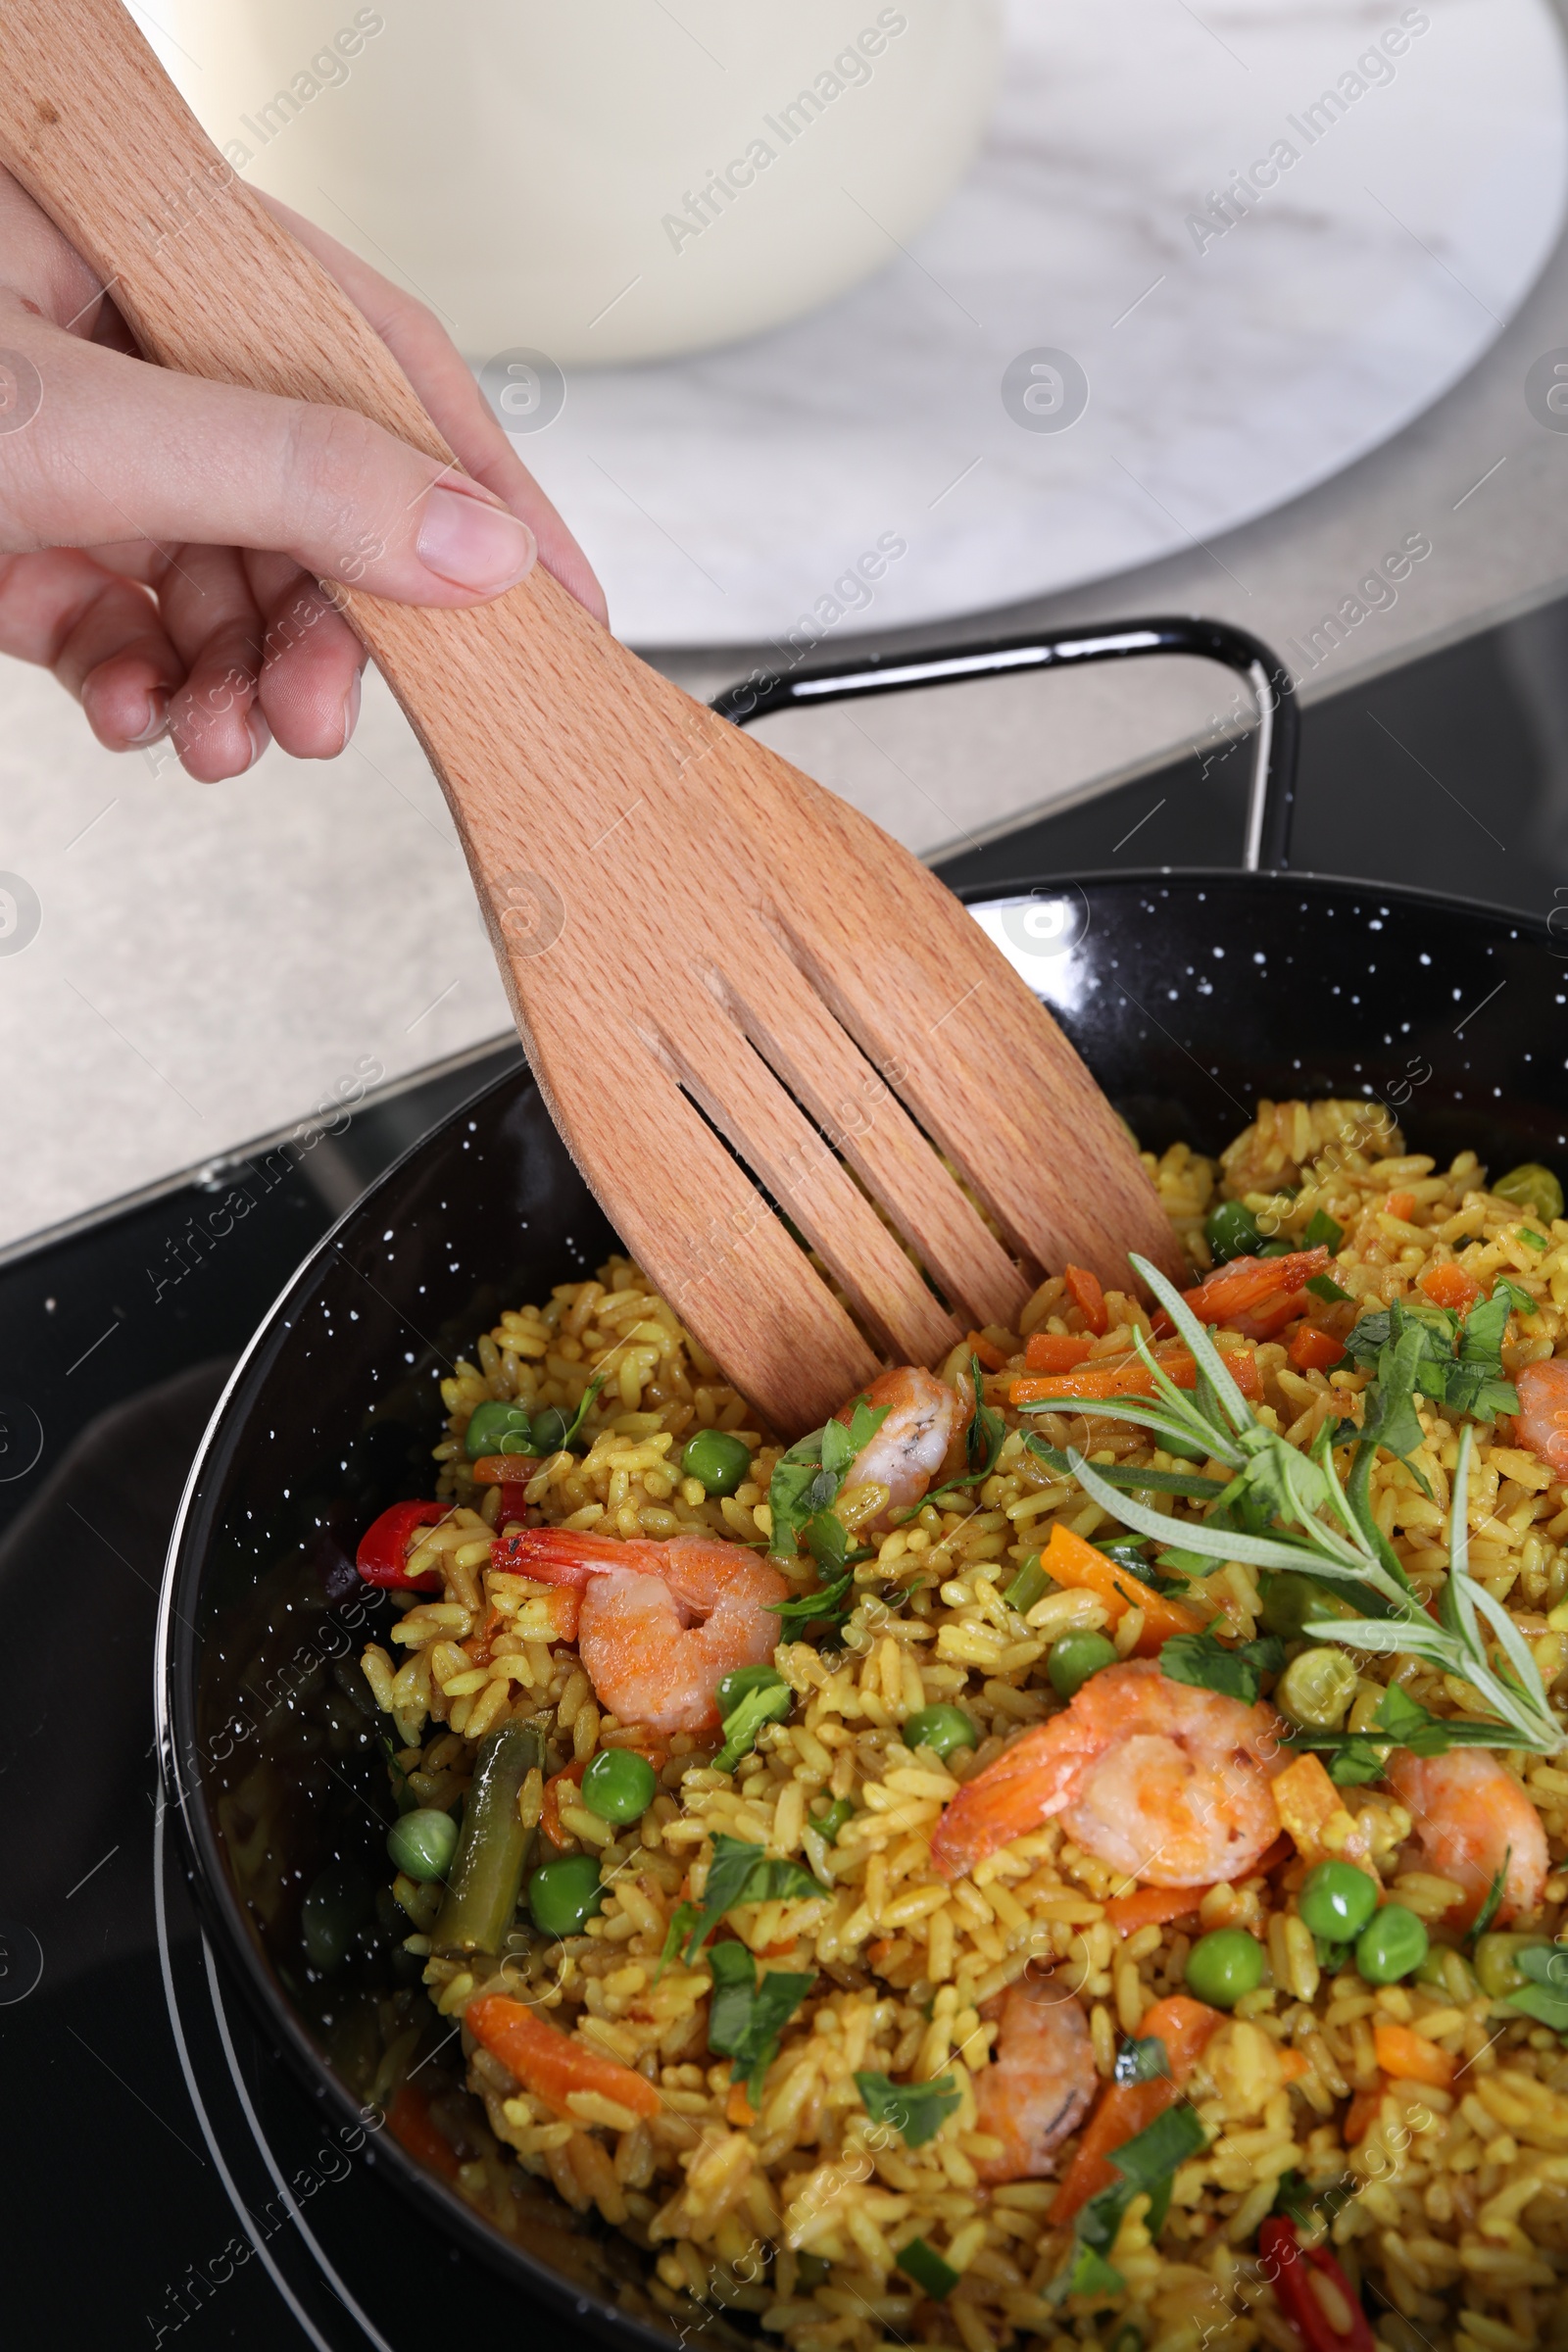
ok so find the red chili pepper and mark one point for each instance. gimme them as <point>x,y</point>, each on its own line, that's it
<point>1332,2321</point>
<point>382,1556</point>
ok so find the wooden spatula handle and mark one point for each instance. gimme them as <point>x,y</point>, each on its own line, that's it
<point>198,266</point>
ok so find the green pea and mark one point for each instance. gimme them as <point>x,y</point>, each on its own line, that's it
<point>619,1784</point>
<point>828,1824</point>
<point>563,1896</point>
<point>1291,1601</point>
<point>1532,1187</point>
<point>717,1460</point>
<point>1074,1658</point>
<point>1496,1962</point>
<point>422,1844</point>
<point>1316,1688</point>
<point>1231,1230</point>
<point>1224,1965</point>
<point>1337,1900</point>
<point>942,1729</point>
<point>336,1905</point>
<point>491,1424</point>
<point>1391,1946</point>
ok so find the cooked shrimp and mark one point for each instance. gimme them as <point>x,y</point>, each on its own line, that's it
<point>1544,1412</point>
<point>662,1623</point>
<point>1470,1815</point>
<point>1039,2084</point>
<point>924,1419</point>
<point>1161,1779</point>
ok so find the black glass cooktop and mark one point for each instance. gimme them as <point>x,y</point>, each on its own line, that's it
<point>164,2180</point>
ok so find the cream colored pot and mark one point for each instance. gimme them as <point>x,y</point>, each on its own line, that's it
<point>599,180</point>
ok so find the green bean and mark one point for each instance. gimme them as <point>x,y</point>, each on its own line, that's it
<point>494,1848</point>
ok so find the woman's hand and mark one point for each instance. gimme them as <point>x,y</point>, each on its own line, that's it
<point>160,537</point>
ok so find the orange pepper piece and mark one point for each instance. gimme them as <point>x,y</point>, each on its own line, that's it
<point>1314,1350</point>
<point>738,2108</point>
<point>408,2120</point>
<point>1294,2064</point>
<point>1450,1286</point>
<point>1411,2058</point>
<point>1125,2109</point>
<point>1078,1566</point>
<point>550,1811</point>
<point>1308,1803</point>
<point>552,2063</point>
<point>990,1354</point>
<point>1056,1351</point>
<point>1130,1376</point>
<point>1083,1289</point>
<point>1401,1205</point>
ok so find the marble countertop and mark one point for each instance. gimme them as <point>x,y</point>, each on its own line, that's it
<point>213,964</point>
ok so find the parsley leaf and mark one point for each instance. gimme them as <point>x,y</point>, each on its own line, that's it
<point>829,1604</point>
<point>925,2266</point>
<point>807,1478</point>
<point>1424,1350</point>
<point>1323,1231</point>
<point>1147,2165</point>
<point>1546,1996</point>
<point>1324,1286</point>
<point>1210,1665</point>
<point>743,1874</point>
<point>916,2110</point>
<point>766,1700</point>
<point>682,1919</point>
<point>1142,2061</point>
<point>745,2018</point>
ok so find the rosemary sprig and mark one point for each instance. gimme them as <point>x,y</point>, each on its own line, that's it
<point>1286,1509</point>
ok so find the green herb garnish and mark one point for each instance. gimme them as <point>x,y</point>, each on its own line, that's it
<point>1489,1908</point>
<point>931,2275</point>
<point>1546,1996</point>
<point>916,2110</point>
<point>1142,2061</point>
<point>765,1697</point>
<point>1148,2166</point>
<point>1214,1665</point>
<point>745,2017</point>
<point>743,1874</point>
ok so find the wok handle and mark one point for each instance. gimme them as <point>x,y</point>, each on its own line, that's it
<point>1271,799</point>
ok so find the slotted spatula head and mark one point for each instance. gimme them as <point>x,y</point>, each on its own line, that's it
<point>728,982</point>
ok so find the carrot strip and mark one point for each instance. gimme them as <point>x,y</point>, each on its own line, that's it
<point>1125,2109</point>
<point>1450,1286</point>
<point>1083,1289</point>
<point>1411,2058</point>
<point>1309,1805</point>
<point>552,2063</point>
<point>1151,1907</point>
<point>1130,1376</point>
<point>1248,1284</point>
<point>738,2108</point>
<point>1314,1350</point>
<point>1362,2112</point>
<point>408,2121</point>
<point>1294,2064</point>
<point>1078,1567</point>
<point>990,1354</point>
<point>1056,1351</point>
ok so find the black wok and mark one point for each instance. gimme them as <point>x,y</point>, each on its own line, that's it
<point>1189,993</point>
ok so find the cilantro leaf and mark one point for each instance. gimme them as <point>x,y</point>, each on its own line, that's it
<point>1324,1286</point>
<point>1147,2165</point>
<point>682,1919</point>
<point>1359,1760</point>
<point>1424,1351</point>
<point>743,1874</point>
<point>916,2110</point>
<point>1209,1664</point>
<point>1142,2061</point>
<point>1323,1231</point>
<point>986,1433</point>
<point>745,2018</point>
<point>807,1478</point>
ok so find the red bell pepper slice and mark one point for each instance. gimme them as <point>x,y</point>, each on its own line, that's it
<point>1331,2321</point>
<point>382,1556</point>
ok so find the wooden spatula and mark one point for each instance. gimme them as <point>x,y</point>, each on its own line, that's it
<point>702,947</point>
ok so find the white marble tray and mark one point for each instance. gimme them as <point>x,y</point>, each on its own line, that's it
<point>724,497</point>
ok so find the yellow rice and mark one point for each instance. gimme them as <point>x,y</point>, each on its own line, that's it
<point>1458,2226</point>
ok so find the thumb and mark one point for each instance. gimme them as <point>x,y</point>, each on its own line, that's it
<point>97,447</point>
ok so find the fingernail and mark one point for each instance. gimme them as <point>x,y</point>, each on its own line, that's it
<point>351,712</point>
<point>157,720</point>
<point>261,735</point>
<point>473,545</point>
